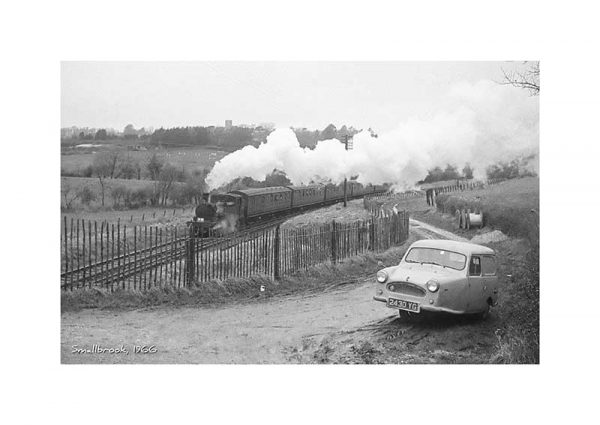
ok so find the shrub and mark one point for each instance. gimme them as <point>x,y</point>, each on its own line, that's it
<point>141,197</point>
<point>120,194</point>
<point>129,169</point>
<point>510,170</point>
<point>68,194</point>
<point>187,194</point>
<point>87,171</point>
<point>87,195</point>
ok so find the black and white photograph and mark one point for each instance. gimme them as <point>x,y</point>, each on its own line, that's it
<point>300,212</point>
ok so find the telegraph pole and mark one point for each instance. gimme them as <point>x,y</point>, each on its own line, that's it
<point>348,144</point>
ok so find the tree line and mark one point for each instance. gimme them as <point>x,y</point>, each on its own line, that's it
<point>451,172</point>
<point>234,137</point>
<point>504,170</point>
<point>237,137</point>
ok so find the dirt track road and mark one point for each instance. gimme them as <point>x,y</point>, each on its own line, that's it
<point>339,326</point>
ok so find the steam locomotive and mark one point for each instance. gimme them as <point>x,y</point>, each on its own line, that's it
<point>227,212</point>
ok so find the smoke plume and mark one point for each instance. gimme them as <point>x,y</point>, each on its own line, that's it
<point>480,124</point>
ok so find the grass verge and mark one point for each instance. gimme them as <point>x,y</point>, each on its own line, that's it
<point>511,206</point>
<point>518,337</point>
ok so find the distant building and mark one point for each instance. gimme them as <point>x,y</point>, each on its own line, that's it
<point>228,123</point>
<point>68,133</point>
<point>267,125</point>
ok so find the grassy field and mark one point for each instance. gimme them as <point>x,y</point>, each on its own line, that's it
<point>511,206</point>
<point>75,159</point>
<point>515,193</point>
<point>93,183</point>
<point>352,213</point>
<point>95,208</point>
<point>506,206</point>
<point>141,216</point>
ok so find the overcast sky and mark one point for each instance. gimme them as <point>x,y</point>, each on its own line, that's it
<point>299,94</point>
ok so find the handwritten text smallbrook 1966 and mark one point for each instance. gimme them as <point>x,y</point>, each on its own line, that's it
<point>122,349</point>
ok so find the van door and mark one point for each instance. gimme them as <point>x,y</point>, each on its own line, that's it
<point>475,286</point>
<point>490,277</point>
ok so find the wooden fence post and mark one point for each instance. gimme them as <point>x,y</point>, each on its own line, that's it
<point>333,243</point>
<point>83,231</point>
<point>66,252</point>
<point>276,254</point>
<point>190,257</point>
<point>372,235</point>
<point>265,250</point>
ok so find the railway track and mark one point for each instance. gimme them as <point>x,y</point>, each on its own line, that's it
<point>161,258</point>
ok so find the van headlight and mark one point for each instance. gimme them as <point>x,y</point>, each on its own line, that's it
<point>381,276</point>
<point>433,286</point>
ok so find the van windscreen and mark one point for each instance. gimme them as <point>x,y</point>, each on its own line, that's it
<point>441,257</point>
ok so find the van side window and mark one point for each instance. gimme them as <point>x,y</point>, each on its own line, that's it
<point>488,265</point>
<point>475,266</point>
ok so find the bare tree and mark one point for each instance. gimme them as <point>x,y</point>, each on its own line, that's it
<point>102,170</point>
<point>110,161</point>
<point>69,194</point>
<point>197,184</point>
<point>87,195</point>
<point>154,164</point>
<point>168,175</point>
<point>120,193</point>
<point>129,168</point>
<point>528,79</point>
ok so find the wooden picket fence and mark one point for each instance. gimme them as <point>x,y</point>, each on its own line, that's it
<point>145,257</point>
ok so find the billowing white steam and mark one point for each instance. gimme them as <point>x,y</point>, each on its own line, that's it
<point>479,123</point>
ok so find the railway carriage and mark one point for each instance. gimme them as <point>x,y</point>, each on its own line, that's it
<point>334,192</point>
<point>353,189</point>
<point>303,196</point>
<point>380,188</point>
<point>228,210</point>
<point>257,203</point>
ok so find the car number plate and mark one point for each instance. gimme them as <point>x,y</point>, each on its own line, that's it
<point>403,305</point>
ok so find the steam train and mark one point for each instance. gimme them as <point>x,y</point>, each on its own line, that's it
<point>226,212</point>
